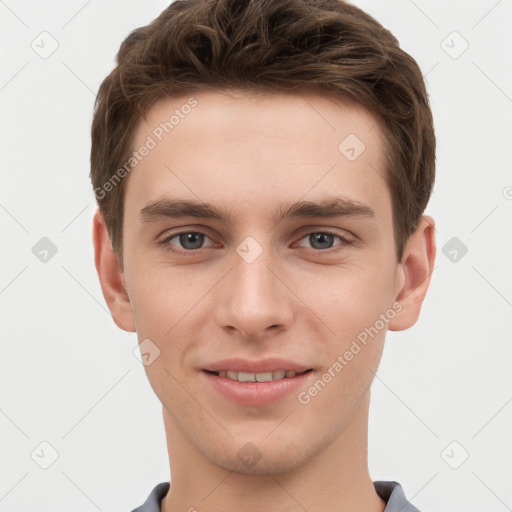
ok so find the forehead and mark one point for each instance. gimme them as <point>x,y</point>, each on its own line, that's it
<point>234,115</point>
<point>251,150</point>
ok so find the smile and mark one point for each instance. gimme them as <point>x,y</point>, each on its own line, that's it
<point>257,377</point>
<point>256,388</point>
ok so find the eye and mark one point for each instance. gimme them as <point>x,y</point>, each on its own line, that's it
<point>321,240</point>
<point>188,240</point>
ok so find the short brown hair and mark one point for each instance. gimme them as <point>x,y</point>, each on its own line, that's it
<point>328,47</point>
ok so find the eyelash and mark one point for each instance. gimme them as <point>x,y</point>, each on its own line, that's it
<point>165,243</point>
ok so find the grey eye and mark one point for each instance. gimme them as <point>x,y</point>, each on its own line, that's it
<point>321,240</point>
<point>191,240</point>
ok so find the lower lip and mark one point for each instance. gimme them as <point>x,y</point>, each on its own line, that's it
<point>255,393</point>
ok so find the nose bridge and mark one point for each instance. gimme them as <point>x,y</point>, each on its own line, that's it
<point>252,299</point>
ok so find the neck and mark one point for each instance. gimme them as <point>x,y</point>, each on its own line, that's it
<point>336,480</point>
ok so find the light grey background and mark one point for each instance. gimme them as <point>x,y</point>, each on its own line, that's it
<point>69,376</point>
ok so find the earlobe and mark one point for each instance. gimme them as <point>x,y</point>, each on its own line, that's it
<point>111,276</point>
<point>416,271</point>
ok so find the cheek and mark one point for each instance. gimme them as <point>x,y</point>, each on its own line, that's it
<point>168,310</point>
<point>161,300</point>
<point>353,351</point>
<point>350,300</point>
<point>351,306</point>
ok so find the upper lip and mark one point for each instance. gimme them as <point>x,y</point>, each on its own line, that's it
<point>269,364</point>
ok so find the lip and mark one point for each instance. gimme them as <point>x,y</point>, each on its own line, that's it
<point>269,364</point>
<point>255,393</point>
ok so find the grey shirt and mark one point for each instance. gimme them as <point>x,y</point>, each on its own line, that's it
<point>391,492</point>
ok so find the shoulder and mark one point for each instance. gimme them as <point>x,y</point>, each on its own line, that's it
<point>393,494</point>
<point>390,491</point>
<point>152,504</point>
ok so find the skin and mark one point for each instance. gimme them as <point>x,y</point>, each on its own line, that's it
<point>249,153</point>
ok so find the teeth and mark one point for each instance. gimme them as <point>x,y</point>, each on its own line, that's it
<point>256,377</point>
<point>246,377</point>
<point>264,377</point>
<point>279,374</point>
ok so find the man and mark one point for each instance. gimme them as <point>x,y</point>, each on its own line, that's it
<point>261,170</point>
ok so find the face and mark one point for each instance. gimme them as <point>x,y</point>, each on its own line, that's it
<point>286,263</point>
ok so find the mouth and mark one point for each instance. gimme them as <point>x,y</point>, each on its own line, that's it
<point>256,388</point>
<point>257,377</point>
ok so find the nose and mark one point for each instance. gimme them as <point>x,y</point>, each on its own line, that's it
<point>252,301</point>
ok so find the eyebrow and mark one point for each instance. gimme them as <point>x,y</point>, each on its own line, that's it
<point>177,208</point>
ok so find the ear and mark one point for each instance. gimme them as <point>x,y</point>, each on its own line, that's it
<point>111,276</point>
<point>414,273</point>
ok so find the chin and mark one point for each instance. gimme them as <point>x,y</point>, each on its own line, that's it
<point>266,465</point>
<point>265,456</point>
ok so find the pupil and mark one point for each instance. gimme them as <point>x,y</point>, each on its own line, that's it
<point>321,238</point>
